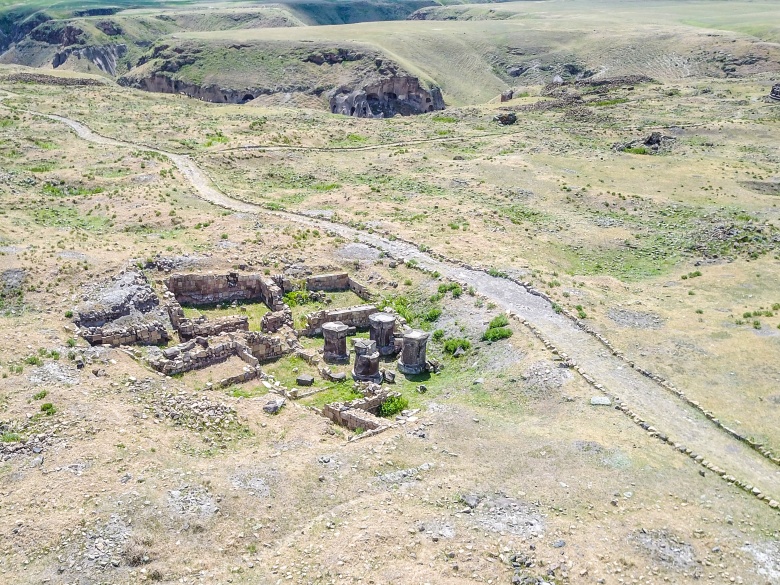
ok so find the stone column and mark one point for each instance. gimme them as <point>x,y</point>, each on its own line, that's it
<point>366,362</point>
<point>413,353</point>
<point>335,334</point>
<point>382,326</point>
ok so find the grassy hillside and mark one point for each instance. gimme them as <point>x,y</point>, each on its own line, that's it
<point>473,61</point>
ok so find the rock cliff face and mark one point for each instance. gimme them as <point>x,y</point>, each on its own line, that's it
<point>104,57</point>
<point>160,83</point>
<point>386,98</point>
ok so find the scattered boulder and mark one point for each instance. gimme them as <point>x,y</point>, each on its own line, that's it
<point>600,401</point>
<point>506,119</point>
<point>274,405</point>
<point>305,380</point>
<point>775,93</point>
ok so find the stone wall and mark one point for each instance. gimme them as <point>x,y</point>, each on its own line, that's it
<point>266,347</point>
<point>195,356</point>
<point>203,327</point>
<point>352,317</point>
<point>360,290</point>
<point>249,373</point>
<point>275,320</point>
<point>359,413</point>
<point>153,333</point>
<point>206,289</point>
<point>328,282</point>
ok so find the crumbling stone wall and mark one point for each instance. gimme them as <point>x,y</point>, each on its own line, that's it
<point>195,355</point>
<point>266,347</point>
<point>328,282</point>
<point>359,413</point>
<point>275,320</point>
<point>153,333</point>
<point>203,327</point>
<point>248,374</point>
<point>206,289</point>
<point>352,317</point>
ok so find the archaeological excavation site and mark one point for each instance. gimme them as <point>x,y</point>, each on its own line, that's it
<point>128,313</point>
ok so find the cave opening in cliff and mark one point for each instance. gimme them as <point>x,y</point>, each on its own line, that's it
<point>247,98</point>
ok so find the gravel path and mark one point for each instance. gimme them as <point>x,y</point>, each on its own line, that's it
<point>669,415</point>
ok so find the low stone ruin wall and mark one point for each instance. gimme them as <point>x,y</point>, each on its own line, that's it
<point>266,347</point>
<point>248,374</point>
<point>203,327</point>
<point>352,317</point>
<point>360,290</point>
<point>359,413</point>
<point>352,418</point>
<point>275,320</point>
<point>153,333</point>
<point>206,289</point>
<point>193,356</point>
<point>328,282</point>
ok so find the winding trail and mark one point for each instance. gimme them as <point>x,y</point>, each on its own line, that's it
<point>646,398</point>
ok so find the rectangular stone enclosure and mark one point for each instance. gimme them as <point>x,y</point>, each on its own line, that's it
<point>207,289</point>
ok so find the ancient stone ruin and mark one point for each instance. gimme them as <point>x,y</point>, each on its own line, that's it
<point>382,332</point>
<point>413,359</point>
<point>127,311</point>
<point>335,334</point>
<point>366,362</point>
<point>361,413</point>
<point>386,98</point>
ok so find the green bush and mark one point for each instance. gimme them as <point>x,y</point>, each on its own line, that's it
<point>40,395</point>
<point>33,360</point>
<point>500,321</point>
<point>452,345</point>
<point>438,335</point>
<point>297,297</point>
<point>392,406</point>
<point>497,333</point>
<point>48,408</point>
<point>432,314</point>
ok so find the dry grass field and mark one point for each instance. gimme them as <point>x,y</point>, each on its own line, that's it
<point>114,473</point>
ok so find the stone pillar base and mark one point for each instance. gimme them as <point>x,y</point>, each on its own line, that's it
<point>411,370</point>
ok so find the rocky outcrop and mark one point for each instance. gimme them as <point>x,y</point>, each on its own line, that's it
<point>127,294</point>
<point>104,57</point>
<point>775,93</point>
<point>384,99</point>
<point>160,83</point>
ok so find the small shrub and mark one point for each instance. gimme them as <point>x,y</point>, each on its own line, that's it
<point>581,312</point>
<point>452,345</point>
<point>33,360</point>
<point>432,314</point>
<point>68,314</point>
<point>699,311</point>
<point>48,408</point>
<point>10,438</point>
<point>438,335</point>
<point>756,324</point>
<point>496,334</point>
<point>40,395</point>
<point>392,406</point>
<point>500,321</point>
